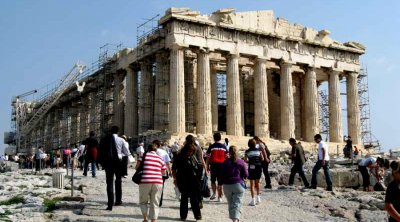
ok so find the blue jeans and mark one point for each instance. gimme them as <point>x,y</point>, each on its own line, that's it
<point>234,194</point>
<point>85,169</point>
<point>317,167</point>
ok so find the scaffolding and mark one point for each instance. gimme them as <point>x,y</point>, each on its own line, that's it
<point>368,139</point>
<point>58,116</point>
<point>324,113</point>
<point>190,93</point>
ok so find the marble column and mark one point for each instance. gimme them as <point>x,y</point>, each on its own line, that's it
<point>353,108</point>
<point>311,105</point>
<point>64,130</point>
<point>177,91</point>
<point>131,106</point>
<point>49,130</point>
<point>74,127</point>
<point>204,115</point>
<point>118,102</point>
<point>261,114</point>
<point>234,107</point>
<point>214,97</point>
<point>94,116</point>
<point>145,99</point>
<point>287,104</point>
<point>83,119</point>
<point>335,112</point>
<point>56,128</point>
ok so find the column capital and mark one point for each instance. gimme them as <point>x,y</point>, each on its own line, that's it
<point>353,74</point>
<point>311,68</point>
<point>335,71</point>
<point>233,55</point>
<point>135,67</point>
<point>262,59</point>
<point>288,64</point>
<point>178,46</point>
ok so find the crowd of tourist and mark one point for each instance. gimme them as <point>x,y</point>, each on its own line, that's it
<point>189,166</point>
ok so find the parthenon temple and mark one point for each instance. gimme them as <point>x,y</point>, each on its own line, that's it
<point>242,73</point>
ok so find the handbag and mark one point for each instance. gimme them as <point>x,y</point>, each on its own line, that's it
<point>137,177</point>
<point>205,190</point>
<point>131,159</point>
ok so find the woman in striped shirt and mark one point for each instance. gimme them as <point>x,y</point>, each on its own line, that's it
<point>151,183</point>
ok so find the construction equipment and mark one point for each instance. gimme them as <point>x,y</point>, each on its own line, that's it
<point>49,101</point>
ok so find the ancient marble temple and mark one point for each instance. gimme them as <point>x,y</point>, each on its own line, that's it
<point>243,73</point>
<point>276,65</point>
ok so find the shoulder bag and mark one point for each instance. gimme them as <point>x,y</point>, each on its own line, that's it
<point>137,177</point>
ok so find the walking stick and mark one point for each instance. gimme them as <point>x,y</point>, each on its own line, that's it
<point>162,193</point>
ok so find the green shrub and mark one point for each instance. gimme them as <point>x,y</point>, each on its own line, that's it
<point>50,204</point>
<point>13,200</point>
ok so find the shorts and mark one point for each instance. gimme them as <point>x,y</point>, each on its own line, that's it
<point>255,172</point>
<point>215,172</point>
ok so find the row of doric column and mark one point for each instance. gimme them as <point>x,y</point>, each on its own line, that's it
<point>207,107</point>
<point>156,100</point>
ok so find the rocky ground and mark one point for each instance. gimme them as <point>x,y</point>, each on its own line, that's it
<point>28,197</point>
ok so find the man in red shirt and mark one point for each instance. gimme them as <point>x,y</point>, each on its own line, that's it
<point>216,154</point>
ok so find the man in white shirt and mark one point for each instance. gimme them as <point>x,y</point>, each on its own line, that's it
<point>323,162</point>
<point>112,149</point>
<point>140,151</point>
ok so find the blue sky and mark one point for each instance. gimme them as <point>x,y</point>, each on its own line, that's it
<point>41,40</point>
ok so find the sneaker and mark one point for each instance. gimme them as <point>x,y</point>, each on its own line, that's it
<point>252,202</point>
<point>329,188</point>
<point>220,199</point>
<point>268,186</point>
<point>213,196</point>
<point>258,201</point>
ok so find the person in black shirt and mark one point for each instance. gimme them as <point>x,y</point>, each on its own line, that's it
<point>392,198</point>
<point>254,158</point>
<point>298,159</point>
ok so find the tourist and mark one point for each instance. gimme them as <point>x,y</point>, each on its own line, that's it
<point>140,150</point>
<point>298,160</point>
<point>348,148</point>
<point>81,159</point>
<point>265,163</point>
<point>111,149</point>
<point>151,183</point>
<point>227,143</point>
<point>322,162</point>
<point>125,159</point>
<point>53,158</point>
<point>200,162</point>
<point>216,156</point>
<point>163,154</point>
<point>366,166</point>
<point>174,153</point>
<point>174,150</point>
<point>91,146</point>
<point>66,157</point>
<point>233,176</point>
<point>392,198</point>
<point>184,171</point>
<point>254,158</point>
<point>38,158</point>
<point>355,152</point>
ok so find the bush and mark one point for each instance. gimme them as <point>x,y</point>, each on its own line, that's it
<point>13,200</point>
<point>50,204</point>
